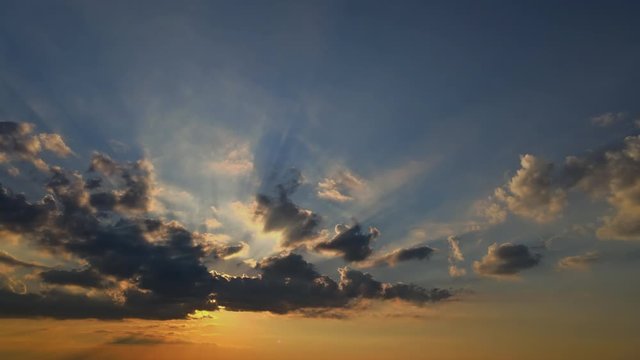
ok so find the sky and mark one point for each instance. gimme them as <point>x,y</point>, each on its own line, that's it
<point>315,179</point>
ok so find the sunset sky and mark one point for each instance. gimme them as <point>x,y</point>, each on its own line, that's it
<point>319,180</point>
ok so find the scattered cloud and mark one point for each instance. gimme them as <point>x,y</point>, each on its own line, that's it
<point>399,255</point>
<point>579,262</point>
<point>342,186</point>
<point>455,256</point>
<point>506,260</point>
<point>531,194</point>
<point>608,119</point>
<point>18,142</point>
<point>278,213</point>
<point>350,242</point>
<point>614,175</point>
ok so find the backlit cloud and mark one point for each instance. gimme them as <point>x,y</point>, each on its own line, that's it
<point>18,142</point>
<point>506,260</point>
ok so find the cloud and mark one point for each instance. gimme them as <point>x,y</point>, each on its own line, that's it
<point>138,340</point>
<point>134,183</point>
<point>18,142</point>
<point>288,283</point>
<point>531,194</point>
<point>608,119</point>
<point>505,260</point>
<point>342,186</point>
<point>491,210</point>
<point>139,266</point>
<point>8,259</point>
<point>87,278</point>
<point>236,160</point>
<point>455,256</point>
<point>579,262</point>
<point>613,175</point>
<point>350,242</point>
<point>279,213</point>
<point>400,255</point>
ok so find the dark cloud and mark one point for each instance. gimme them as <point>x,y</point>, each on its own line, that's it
<point>506,259</point>
<point>288,283</point>
<point>279,213</point>
<point>64,305</point>
<point>19,215</point>
<point>134,181</point>
<point>85,278</point>
<point>159,265</point>
<point>350,242</point>
<point>400,255</point>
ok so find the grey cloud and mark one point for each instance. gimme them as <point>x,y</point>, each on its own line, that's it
<point>400,255</point>
<point>85,278</point>
<point>279,213</point>
<point>159,265</point>
<point>18,142</point>
<point>289,283</point>
<point>579,262</point>
<point>614,175</point>
<point>134,180</point>
<point>506,259</point>
<point>350,242</point>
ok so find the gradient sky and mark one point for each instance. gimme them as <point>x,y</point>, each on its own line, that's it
<point>315,179</point>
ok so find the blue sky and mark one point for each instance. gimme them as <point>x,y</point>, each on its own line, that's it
<point>428,105</point>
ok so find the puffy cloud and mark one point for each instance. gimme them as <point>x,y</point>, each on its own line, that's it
<point>578,262</point>
<point>608,119</point>
<point>615,176</point>
<point>400,255</point>
<point>18,142</point>
<point>612,174</point>
<point>531,194</point>
<point>506,259</point>
<point>342,186</point>
<point>350,242</point>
